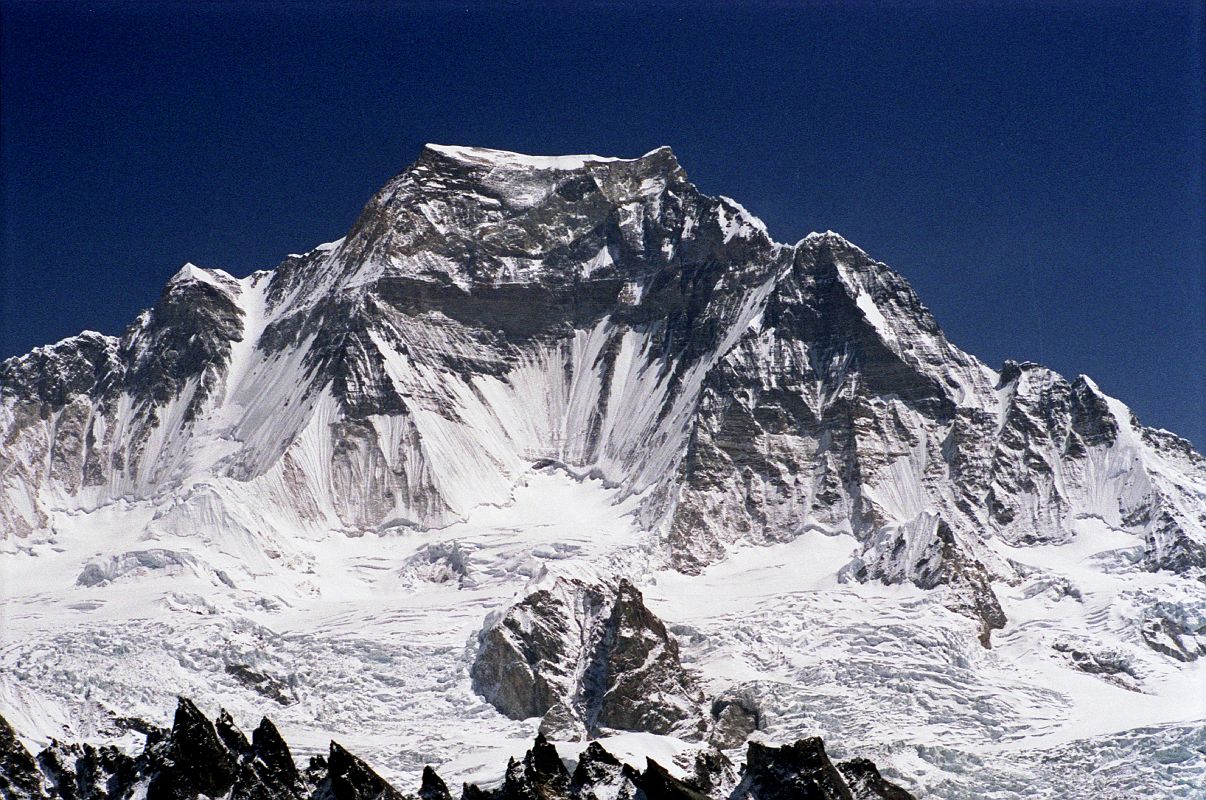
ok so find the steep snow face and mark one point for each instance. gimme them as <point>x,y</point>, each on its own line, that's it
<point>274,456</point>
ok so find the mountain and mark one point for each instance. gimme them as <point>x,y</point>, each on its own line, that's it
<point>564,443</point>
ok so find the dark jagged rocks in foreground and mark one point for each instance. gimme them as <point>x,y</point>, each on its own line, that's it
<point>198,758</point>
<point>18,771</point>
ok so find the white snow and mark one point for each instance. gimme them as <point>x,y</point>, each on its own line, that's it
<point>214,277</point>
<point>379,661</point>
<point>509,160</point>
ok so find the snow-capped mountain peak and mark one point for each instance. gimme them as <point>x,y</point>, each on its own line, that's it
<point>583,369</point>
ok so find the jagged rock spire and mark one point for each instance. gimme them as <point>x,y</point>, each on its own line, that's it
<point>198,759</point>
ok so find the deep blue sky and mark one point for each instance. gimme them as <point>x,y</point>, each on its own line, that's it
<point>1035,172</point>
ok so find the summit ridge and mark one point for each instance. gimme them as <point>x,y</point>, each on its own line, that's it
<point>506,158</point>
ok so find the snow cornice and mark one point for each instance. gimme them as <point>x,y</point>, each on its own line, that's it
<point>506,159</point>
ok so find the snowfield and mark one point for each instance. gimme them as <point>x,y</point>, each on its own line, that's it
<point>378,657</point>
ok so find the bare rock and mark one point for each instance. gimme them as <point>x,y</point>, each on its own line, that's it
<point>19,774</point>
<point>866,783</point>
<point>586,658</point>
<point>733,720</point>
<point>800,771</point>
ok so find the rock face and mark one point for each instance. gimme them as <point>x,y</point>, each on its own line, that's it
<point>586,659</point>
<point>803,771</point>
<point>84,772</point>
<point>733,720</point>
<point>791,772</point>
<point>433,787</point>
<point>193,760</point>
<point>601,775</point>
<point>866,783</point>
<point>19,777</point>
<point>200,759</point>
<point>349,778</point>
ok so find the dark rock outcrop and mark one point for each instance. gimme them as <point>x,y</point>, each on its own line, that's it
<point>272,760</point>
<point>432,786</point>
<point>635,681</point>
<point>586,658</point>
<point>1173,634</point>
<point>266,685</point>
<point>84,772</point>
<point>19,774</point>
<point>656,783</point>
<point>866,783</point>
<point>540,775</point>
<point>800,771</point>
<point>52,375</point>
<point>192,761</point>
<point>733,720</point>
<point>526,660</point>
<point>349,778</point>
<point>599,774</point>
<point>712,773</point>
<point>927,553</point>
<point>1110,665</point>
<point>234,739</point>
<point>803,771</point>
<point>198,758</point>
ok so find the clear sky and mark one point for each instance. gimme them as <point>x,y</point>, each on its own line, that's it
<point>1035,170</point>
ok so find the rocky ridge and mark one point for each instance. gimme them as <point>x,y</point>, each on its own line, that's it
<point>198,758</point>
